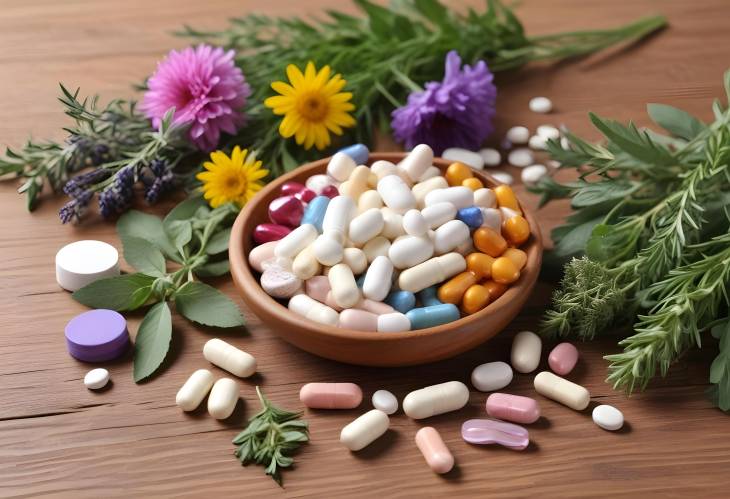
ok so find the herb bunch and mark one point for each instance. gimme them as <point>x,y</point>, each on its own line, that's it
<point>194,239</point>
<point>271,436</point>
<point>651,217</point>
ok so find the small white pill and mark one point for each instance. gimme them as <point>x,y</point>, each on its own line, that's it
<point>230,358</point>
<point>313,310</point>
<point>469,158</point>
<point>341,166</point>
<point>385,401</point>
<point>548,131</point>
<point>526,350</point>
<point>532,174</point>
<point>518,135</point>
<point>459,196</point>
<point>294,242</point>
<point>502,177</point>
<point>279,282</point>
<point>317,183</point>
<point>538,143</point>
<point>83,262</point>
<point>414,223</point>
<point>606,416</point>
<point>485,198</point>
<point>520,157</point>
<point>223,398</point>
<point>393,322</point>
<point>392,224</point>
<point>378,279</point>
<point>540,105</point>
<point>492,218</point>
<point>417,162</point>
<point>491,157</point>
<point>431,172</point>
<point>192,393</point>
<point>421,189</point>
<point>366,226</point>
<point>364,430</point>
<point>561,390</point>
<point>327,249</point>
<point>409,251</point>
<point>491,376</point>
<point>436,399</point>
<point>305,264</point>
<point>343,286</point>
<point>368,200</point>
<point>431,272</point>
<point>449,236</point>
<point>336,221</point>
<point>438,214</point>
<point>377,246</point>
<point>396,194</point>
<point>355,259</point>
<point>96,378</point>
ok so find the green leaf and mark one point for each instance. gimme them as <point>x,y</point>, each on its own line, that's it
<point>180,233</point>
<point>206,305</point>
<point>143,256</point>
<point>218,243</point>
<point>675,121</point>
<point>125,292</point>
<point>598,192</point>
<point>149,227</point>
<point>378,18</point>
<point>572,239</point>
<point>213,269</point>
<point>185,210</point>
<point>633,142</point>
<point>611,243</point>
<point>153,341</point>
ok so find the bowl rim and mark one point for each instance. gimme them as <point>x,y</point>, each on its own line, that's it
<point>251,291</point>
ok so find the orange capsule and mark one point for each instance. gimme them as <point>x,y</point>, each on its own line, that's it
<point>518,257</point>
<point>505,271</point>
<point>473,183</point>
<point>453,289</point>
<point>480,264</point>
<point>457,172</point>
<point>516,230</point>
<point>506,198</point>
<point>495,289</point>
<point>489,241</point>
<point>475,298</point>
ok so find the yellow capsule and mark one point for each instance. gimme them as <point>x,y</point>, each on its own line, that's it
<point>475,298</point>
<point>480,264</point>
<point>516,230</point>
<point>453,289</point>
<point>495,289</point>
<point>489,241</point>
<point>473,183</point>
<point>518,257</point>
<point>506,198</point>
<point>504,271</point>
<point>457,172</point>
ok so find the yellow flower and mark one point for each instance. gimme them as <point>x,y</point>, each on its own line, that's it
<point>234,179</point>
<point>312,105</point>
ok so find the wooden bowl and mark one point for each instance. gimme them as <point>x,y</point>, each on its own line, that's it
<point>371,348</point>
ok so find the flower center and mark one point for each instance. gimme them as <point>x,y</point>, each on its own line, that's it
<point>234,184</point>
<point>313,106</point>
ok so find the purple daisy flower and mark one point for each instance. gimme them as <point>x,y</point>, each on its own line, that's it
<point>456,112</point>
<point>206,89</point>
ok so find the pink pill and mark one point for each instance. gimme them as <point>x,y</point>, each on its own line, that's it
<point>563,358</point>
<point>286,210</point>
<point>359,320</point>
<point>264,233</point>
<point>261,253</point>
<point>376,307</point>
<point>329,300</point>
<point>434,450</point>
<point>330,395</point>
<point>317,287</point>
<point>291,188</point>
<point>513,408</point>
<point>305,195</point>
<point>330,191</point>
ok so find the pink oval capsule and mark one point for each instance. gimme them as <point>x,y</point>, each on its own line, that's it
<point>563,358</point>
<point>317,287</point>
<point>305,195</point>
<point>331,395</point>
<point>330,191</point>
<point>286,210</point>
<point>513,408</point>
<point>291,188</point>
<point>360,320</point>
<point>434,450</point>
<point>264,233</point>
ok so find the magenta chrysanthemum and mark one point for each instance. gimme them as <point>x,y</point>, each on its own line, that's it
<point>456,112</point>
<point>206,89</point>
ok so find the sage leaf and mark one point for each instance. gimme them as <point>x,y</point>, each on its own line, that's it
<point>206,305</point>
<point>180,232</point>
<point>675,121</point>
<point>184,210</point>
<point>143,256</point>
<point>218,243</point>
<point>213,269</point>
<point>125,292</point>
<point>153,341</point>
<point>149,227</point>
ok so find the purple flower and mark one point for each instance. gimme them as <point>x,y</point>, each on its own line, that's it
<point>118,196</point>
<point>78,185</point>
<point>456,112</point>
<point>206,89</point>
<point>75,209</point>
<point>163,180</point>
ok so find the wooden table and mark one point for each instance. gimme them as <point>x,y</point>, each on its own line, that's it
<point>59,439</point>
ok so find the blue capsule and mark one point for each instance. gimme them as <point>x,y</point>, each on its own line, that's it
<point>358,152</point>
<point>402,301</point>
<point>435,315</point>
<point>471,216</point>
<point>429,297</point>
<point>314,212</point>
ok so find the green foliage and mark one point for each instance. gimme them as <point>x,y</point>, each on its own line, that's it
<point>153,341</point>
<point>206,305</point>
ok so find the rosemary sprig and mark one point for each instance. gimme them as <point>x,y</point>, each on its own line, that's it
<point>271,436</point>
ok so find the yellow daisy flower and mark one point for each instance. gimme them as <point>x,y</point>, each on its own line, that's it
<point>231,179</point>
<point>312,105</point>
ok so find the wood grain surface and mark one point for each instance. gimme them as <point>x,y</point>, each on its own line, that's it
<point>59,439</point>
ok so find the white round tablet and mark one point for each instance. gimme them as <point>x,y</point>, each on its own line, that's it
<point>502,177</point>
<point>548,131</point>
<point>491,376</point>
<point>385,401</point>
<point>83,262</point>
<point>96,379</point>
<point>608,417</point>
<point>540,105</point>
<point>491,157</point>
<point>518,134</point>
<point>538,142</point>
<point>521,157</point>
<point>532,174</point>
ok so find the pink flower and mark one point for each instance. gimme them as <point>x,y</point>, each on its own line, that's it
<point>206,89</point>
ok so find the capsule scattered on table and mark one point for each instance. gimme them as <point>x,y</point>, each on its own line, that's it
<point>434,450</point>
<point>364,430</point>
<point>230,358</point>
<point>436,399</point>
<point>561,390</point>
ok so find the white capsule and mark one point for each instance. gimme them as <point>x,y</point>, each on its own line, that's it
<point>313,310</point>
<point>421,189</point>
<point>436,399</point>
<point>409,251</point>
<point>491,157</point>
<point>377,246</point>
<point>355,259</point>
<point>431,172</point>
<point>491,218</point>
<point>306,265</point>
<point>459,196</point>
<point>561,390</point>
<point>449,236</point>
<point>606,416</point>
<point>317,183</point>
<point>485,198</point>
<point>431,272</point>
<point>343,285</point>
<point>364,430</point>
<point>469,158</point>
<point>538,143</point>
<point>465,248</point>
<point>414,223</point>
<point>376,285</point>
<point>393,322</point>
<point>526,350</point>
<point>385,401</point>
<point>327,249</point>
<point>382,168</point>
<point>491,376</point>
<point>540,105</point>
<point>357,184</point>
<point>368,200</point>
<point>336,221</point>
<point>230,358</point>
<point>396,194</point>
<point>520,157</point>
<point>392,223</point>
<point>294,242</point>
<point>438,214</point>
<point>548,131</point>
<point>341,166</point>
<point>366,226</point>
<point>417,161</point>
<point>502,177</point>
<point>532,174</point>
<point>223,398</point>
<point>518,135</point>
<point>96,379</point>
<point>192,393</point>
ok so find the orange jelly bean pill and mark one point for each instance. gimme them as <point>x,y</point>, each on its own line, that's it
<point>506,198</point>
<point>457,172</point>
<point>480,264</point>
<point>453,289</point>
<point>495,289</point>
<point>516,230</point>
<point>473,183</point>
<point>518,257</point>
<point>504,271</point>
<point>475,298</point>
<point>489,241</point>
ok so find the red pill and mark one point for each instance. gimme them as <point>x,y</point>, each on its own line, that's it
<point>563,358</point>
<point>286,210</point>
<point>264,233</point>
<point>330,395</point>
<point>305,195</point>
<point>291,188</point>
<point>513,408</point>
<point>330,191</point>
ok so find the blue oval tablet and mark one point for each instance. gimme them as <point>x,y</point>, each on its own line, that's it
<point>435,315</point>
<point>471,216</point>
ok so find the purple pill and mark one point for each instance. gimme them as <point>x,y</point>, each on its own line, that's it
<point>264,233</point>
<point>291,188</point>
<point>97,336</point>
<point>489,431</point>
<point>330,191</point>
<point>286,210</point>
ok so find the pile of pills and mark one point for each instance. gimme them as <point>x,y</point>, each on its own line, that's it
<point>389,247</point>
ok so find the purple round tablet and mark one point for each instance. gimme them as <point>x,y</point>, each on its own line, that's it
<point>97,336</point>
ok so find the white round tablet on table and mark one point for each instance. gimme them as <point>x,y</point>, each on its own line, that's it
<point>385,401</point>
<point>608,417</point>
<point>96,379</point>
<point>83,262</point>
